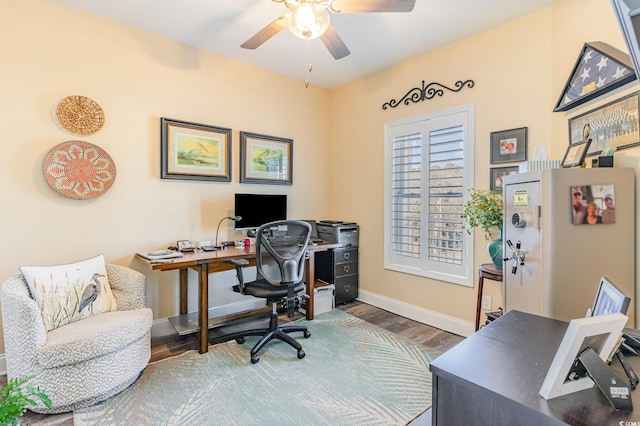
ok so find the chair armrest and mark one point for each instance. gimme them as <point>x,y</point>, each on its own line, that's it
<point>128,287</point>
<point>24,330</point>
<point>239,263</point>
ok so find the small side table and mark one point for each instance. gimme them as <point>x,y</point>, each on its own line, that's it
<point>489,271</point>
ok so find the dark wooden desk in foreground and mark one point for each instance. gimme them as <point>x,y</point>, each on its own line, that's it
<point>208,262</point>
<point>493,378</point>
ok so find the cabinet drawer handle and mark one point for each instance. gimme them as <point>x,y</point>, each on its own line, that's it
<point>347,268</point>
<point>347,256</point>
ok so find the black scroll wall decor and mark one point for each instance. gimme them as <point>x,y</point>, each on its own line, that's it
<point>427,92</point>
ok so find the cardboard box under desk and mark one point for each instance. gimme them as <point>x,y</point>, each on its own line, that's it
<point>323,298</point>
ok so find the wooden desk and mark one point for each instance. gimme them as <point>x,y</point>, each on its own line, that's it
<point>205,263</point>
<point>489,271</point>
<point>493,378</point>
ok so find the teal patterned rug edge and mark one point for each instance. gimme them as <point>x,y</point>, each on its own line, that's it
<point>354,373</point>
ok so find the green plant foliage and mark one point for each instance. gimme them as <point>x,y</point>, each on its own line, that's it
<point>15,397</point>
<point>483,210</point>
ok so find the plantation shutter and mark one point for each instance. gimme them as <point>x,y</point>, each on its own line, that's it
<point>407,186</point>
<point>428,169</point>
<point>446,186</point>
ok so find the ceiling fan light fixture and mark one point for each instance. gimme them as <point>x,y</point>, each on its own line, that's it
<point>308,20</point>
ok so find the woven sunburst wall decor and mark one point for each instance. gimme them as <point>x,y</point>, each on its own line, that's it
<point>80,115</point>
<point>79,170</point>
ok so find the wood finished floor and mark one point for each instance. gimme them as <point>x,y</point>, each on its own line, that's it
<point>169,346</point>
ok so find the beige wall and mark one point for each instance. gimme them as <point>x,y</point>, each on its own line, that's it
<point>50,51</point>
<point>519,71</point>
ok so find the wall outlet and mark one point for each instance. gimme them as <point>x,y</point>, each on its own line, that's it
<point>486,303</point>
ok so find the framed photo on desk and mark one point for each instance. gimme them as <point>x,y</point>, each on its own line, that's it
<point>599,333</point>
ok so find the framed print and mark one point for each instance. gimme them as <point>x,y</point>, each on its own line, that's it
<point>509,145</point>
<point>194,151</point>
<point>574,155</point>
<point>566,375</point>
<point>612,125</point>
<point>265,159</point>
<point>496,175</point>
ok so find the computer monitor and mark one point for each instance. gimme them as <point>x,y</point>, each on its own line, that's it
<point>609,299</point>
<point>258,209</point>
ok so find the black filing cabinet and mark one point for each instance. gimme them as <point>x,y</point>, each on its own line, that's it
<point>339,267</point>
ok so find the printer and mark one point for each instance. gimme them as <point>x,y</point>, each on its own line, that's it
<point>343,233</point>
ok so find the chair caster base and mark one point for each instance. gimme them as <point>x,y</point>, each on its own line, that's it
<point>301,354</point>
<point>240,340</point>
<point>307,334</point>
<point>255,359</point>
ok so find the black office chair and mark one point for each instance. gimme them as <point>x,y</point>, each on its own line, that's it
<point>280,252</point>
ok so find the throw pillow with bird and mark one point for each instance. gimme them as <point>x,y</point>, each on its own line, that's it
<point>70,292</point>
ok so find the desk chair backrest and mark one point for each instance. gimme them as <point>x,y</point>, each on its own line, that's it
<point>280,251</point>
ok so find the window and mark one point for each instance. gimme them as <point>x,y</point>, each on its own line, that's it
<point>428,169</point>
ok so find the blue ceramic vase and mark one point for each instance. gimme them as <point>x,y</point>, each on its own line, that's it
<point>494,247</point>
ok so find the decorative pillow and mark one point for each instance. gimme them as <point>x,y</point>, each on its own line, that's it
<point>68,293</point>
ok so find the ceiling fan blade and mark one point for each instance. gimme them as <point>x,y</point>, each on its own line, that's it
<point>266,33</point>
<point>334,43</point>
<point>356,6</point>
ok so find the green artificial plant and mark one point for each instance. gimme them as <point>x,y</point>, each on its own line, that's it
<point>483,210</point>
<point>15,397</point>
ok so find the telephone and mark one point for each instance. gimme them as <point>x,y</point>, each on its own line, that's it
<point>186,246</point>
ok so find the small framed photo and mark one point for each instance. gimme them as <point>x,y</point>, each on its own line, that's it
<point>509,145</point>
<point>194,151</point>
<point>575,154</point>
<point>497,174</point>
<point>265,159</point>
<point>566,374</point>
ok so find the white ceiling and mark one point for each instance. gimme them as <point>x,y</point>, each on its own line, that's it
<point>376,40</point>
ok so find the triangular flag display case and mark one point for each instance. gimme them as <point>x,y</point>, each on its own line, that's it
<point>599,69</point>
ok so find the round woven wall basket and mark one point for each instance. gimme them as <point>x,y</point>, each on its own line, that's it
<point>80,115</point>
<point>79,170</point>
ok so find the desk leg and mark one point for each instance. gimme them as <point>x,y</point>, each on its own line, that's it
<point>203,308</point>
<point>184,291</point>
<point>311,279</point>
<point>479,302</point>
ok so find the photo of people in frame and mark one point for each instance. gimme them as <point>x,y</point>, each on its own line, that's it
<point>508,146</point>
<point>593,204</point>
<point>498,174</point>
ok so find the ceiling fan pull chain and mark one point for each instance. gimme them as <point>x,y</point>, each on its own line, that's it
<point>309,67</point>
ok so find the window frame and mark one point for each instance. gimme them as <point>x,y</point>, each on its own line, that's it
<point>457,274</point>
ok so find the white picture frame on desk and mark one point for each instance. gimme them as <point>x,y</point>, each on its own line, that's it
<point>601,333</point>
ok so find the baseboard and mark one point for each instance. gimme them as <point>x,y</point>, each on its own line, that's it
<point>3,365</point>
<point>425,316</point>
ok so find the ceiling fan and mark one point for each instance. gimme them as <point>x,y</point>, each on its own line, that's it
<point>310,19</point>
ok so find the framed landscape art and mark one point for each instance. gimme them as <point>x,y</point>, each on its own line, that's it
<point>265,159</point>
<point>193,151</point>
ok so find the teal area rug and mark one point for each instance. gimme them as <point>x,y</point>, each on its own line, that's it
<point>354,373</point>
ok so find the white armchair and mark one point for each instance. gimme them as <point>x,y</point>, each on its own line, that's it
<point>84,362</point>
